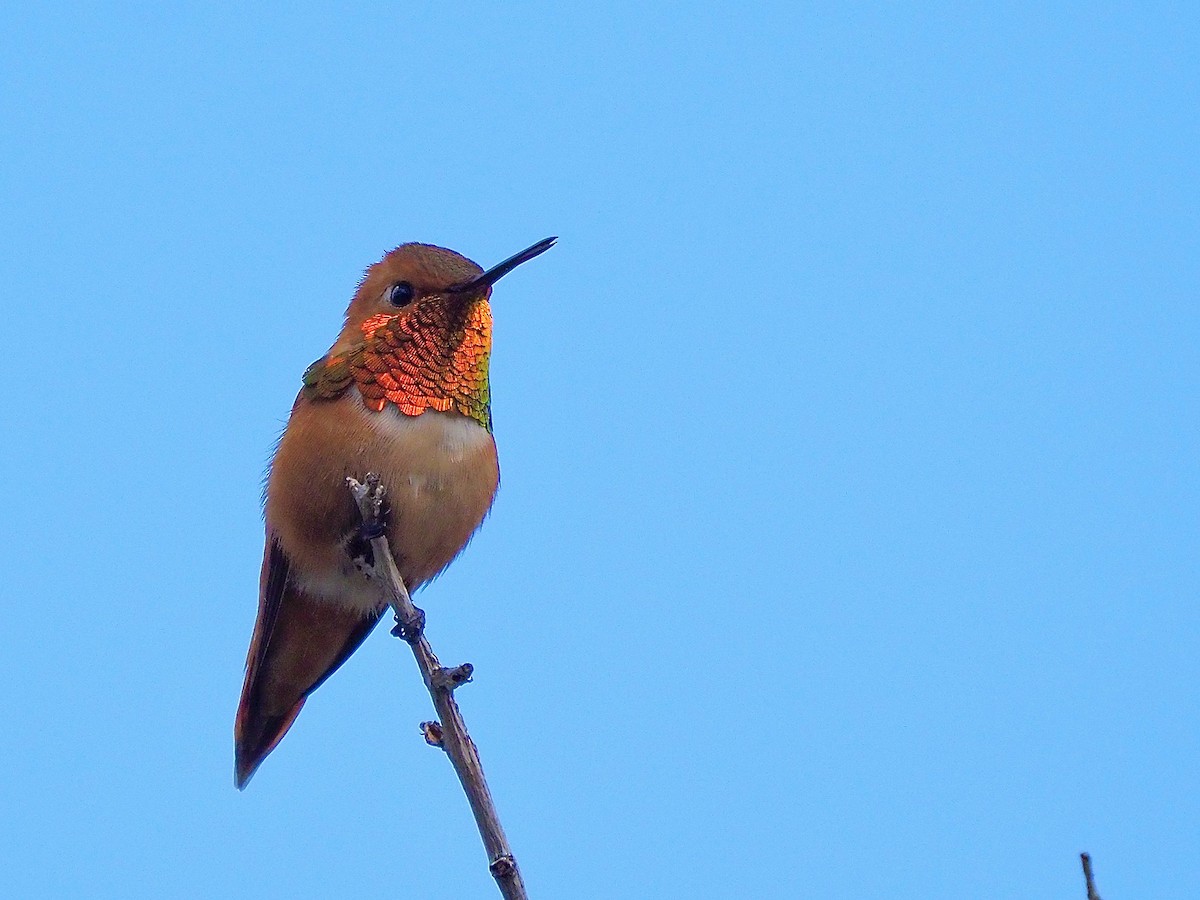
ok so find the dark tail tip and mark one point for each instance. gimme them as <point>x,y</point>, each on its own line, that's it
<point>253,740</point>
<point>244,769</point>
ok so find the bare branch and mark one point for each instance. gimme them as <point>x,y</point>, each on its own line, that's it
<point>450,732</point>
<point>1087,875</point>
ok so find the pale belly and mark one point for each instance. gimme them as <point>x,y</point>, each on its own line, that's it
<point>439,470</point>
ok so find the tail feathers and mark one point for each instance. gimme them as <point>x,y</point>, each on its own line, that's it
<point>257,736</point>
<point>298,642</point>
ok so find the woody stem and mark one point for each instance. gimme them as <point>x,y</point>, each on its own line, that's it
<point>451,735</point>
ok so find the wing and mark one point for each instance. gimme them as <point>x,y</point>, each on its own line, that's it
<point>329,376</point>
<point>378,365</point>
<point>298,642</point>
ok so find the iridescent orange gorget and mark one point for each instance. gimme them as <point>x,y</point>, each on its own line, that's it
<point>434,356</point>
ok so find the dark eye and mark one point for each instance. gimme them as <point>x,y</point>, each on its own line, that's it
<point>401,294</point>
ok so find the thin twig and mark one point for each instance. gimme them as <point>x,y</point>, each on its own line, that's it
<point>450,732</point>
<point>1087,875</point>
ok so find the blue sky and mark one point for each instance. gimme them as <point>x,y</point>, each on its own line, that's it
<point>847,543</point>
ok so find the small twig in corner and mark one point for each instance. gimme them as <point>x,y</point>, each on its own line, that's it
<point>1086,859</point>
<point>450,732</point>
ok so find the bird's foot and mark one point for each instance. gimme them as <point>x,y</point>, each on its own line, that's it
<point>410,629</point>
<point>370,496</point>
<point>361,553</point>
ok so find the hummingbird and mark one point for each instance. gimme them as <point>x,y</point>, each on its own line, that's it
<point>403,393</point>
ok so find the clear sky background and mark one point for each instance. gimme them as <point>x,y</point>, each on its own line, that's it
<point>847,544</point>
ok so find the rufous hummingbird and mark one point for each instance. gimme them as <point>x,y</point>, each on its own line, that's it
<point>404,393</point>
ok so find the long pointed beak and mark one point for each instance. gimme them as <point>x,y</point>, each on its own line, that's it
<point>495,273</point>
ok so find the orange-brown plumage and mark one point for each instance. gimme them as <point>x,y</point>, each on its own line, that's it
<point>402,393</point>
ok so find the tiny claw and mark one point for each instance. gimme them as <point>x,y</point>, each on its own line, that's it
<point>411,630</point>
<point>375,488</point>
